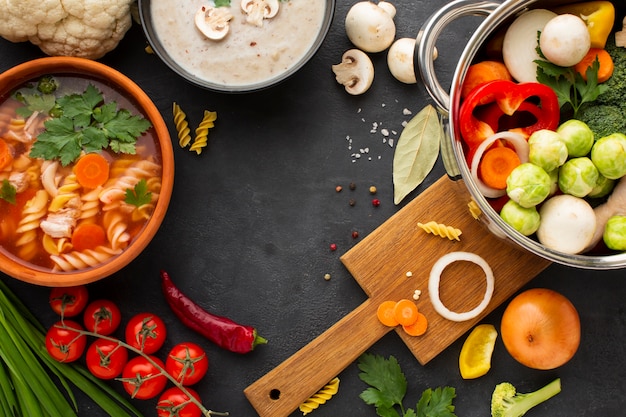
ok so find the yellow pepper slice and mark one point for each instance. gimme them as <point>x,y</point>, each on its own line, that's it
<point>598,15</point>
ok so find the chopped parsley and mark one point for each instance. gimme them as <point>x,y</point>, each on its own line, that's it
<point>88,124</point>
<point>139,195</point>
<point>222,3</point>
<point>388,387</point>
<point>7,191</point>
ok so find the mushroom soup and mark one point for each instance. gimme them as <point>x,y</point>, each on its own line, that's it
<point>250,52</point>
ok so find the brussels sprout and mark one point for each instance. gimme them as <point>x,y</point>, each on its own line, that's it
<point>615,233</point>
<point>577,136</point>
<point>578,176</point>
<point>523,219</point>
<point>528,185</point>
<point>609,155</point>
<point>547,149</point>
<point>554,181</point>
<point>602,188</point>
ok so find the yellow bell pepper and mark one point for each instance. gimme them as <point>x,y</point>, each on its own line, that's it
<point>598,15</point>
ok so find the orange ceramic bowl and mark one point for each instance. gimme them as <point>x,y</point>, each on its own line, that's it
<point>32,272</point>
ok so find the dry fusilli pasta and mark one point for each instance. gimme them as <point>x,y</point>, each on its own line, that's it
<point>182,125</point>
<point>320,397</point>
<point>474,209</point>
<point>441,230</point>
<point>202,131</point>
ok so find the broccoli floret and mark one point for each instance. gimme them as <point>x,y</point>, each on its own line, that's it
<point>616,91</point>
<point>506,402</point>
<point>603,119</point>
<point>47,84</point>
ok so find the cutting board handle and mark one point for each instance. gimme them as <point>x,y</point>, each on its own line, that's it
<point>283,389</point>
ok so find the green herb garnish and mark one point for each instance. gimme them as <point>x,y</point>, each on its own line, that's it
<point>569,86</point>
<point>139,195</point>
<point>222,3</point>
<point>388,387</point>
<point>7,191</point>
<point>88,124</point>
<point>34,102</point>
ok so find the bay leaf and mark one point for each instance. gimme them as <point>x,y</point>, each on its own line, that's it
<point>416,152</point>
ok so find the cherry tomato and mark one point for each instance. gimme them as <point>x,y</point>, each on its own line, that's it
<point>170,402</point>
<point>106,359</point>
<point>102,317</point>
<point>141,379</point>
<point>187,363</point>
<point>69,301</point>
<point>63,343</point>
<point>146,332</point>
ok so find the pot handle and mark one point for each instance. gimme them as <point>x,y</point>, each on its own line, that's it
<point>431,30</point>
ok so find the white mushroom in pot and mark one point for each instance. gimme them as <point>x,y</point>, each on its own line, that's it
<point>355,72</point>
<point>213,22</point>
<point>370,27</point>
<point>400,59</point>
<point>257,10</point>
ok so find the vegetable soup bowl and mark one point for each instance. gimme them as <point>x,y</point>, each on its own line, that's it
<point>240,46</point>
<point>45,197</point>
<point>498,16</point>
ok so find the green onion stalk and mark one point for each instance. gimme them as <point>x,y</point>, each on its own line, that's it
<point>34,384</point>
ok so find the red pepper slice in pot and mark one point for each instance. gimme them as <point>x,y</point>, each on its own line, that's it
<point>483,108</point>
<point>222,331</point>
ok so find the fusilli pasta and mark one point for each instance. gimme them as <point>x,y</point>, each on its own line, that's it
<point>79,260</point>
<point>182,125</point>
<point>202,131</point>
<point>27,228</point>
<point>441,230</point>
<point>320,397</point>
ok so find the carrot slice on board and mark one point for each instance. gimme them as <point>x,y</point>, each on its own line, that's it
<point>88,236</point>
<point>405,312</point>
<point>606,64</point>
<point>385,313</point>
<point>496,165</point>
<point>92,170</point>
<point>419,327</point>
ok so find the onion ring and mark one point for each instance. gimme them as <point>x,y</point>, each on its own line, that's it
<point>520,144</point>
<point>435,277</point>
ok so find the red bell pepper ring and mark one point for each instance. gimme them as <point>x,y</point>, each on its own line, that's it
<point>483,108</point>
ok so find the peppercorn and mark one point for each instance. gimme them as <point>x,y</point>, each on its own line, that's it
<point>333,247</point>
<point>352,186</point>
<point>355,234</point>
<point>352,202</point>
<point>327,277</point>
<point>338,188</point>
<point>376,202</point>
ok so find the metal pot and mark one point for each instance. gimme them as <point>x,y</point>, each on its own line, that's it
<point>498,15</point>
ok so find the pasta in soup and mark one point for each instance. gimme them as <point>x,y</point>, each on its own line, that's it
<point>80,173</point>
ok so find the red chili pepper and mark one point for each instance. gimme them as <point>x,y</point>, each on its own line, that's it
<point>482,111</point>
<point>220,330</point>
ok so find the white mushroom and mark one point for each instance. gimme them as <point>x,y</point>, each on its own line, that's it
<point>213,22</point>
<point>565,40</point>
<point>388,7</point>
<point>370,27</point>
<point>257,10</point>
<point>567,225</point>
<point>355,72</point>
<point>620,36</point>
<point>400,59</point>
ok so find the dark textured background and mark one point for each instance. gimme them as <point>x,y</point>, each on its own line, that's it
<point>248,230</point>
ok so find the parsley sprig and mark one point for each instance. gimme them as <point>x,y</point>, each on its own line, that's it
<point>569,86</point>
<point>388,387</point>
<point>139,195</point>
<point>8,191</point>
<point>88,124</point>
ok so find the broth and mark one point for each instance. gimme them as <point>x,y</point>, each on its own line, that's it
<point>50,203</point>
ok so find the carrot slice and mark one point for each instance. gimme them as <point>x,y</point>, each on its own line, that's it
<point>481,72</point>
<point>496,165</point>
<point>419,327</point>
<point>6,157</point>
<point>92,170</point>
<point>606,64</point>
<point>88,236</point>
<point>405,312</point>
<point>385,313</point>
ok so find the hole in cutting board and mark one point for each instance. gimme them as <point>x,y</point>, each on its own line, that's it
<point>462,286</point>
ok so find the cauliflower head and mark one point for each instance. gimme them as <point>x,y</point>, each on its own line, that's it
<point>82,28</point>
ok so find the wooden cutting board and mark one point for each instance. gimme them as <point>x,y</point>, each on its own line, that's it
<point>390,264</point>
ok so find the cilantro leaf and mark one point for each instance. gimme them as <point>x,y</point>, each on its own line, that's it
<point>388,383</point>
<point>139,195</point>
<point>41,103</point>
<point>80,107</point>
<point>436,403</point>
<point>58,140</point>
<point>8,191</point>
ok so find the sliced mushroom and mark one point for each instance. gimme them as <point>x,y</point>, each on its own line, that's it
<point>257,10</point>
<point>213,22</point>
<point>355,72</point>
